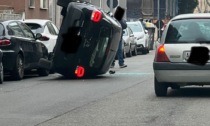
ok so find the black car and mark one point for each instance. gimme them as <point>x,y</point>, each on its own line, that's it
<point>21,51</point>
<point>1,67</point>
<point>87,41</point>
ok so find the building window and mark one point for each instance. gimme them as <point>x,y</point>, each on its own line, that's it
<point>31,3</point>
<point>44,4</point>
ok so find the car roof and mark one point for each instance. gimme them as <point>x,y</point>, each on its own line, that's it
<point>132,22</point>
<point>41,22</point>
<point>5,22</point>
<point>189,16</point>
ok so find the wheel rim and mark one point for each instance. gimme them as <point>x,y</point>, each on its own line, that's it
<point>20,66</point>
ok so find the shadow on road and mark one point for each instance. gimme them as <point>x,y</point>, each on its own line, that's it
<point>190,92</point>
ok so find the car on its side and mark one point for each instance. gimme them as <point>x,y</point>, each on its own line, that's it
<point>21,50</point>
<point>48,30</point>
<point>171,67</point>
<point>130,45</point>
<point>141,36</point>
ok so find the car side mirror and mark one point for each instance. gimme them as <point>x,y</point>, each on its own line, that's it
<point>119,13</point>
<point>38,36</point>
<point>146,31</point>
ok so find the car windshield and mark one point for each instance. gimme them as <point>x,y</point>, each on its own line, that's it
<point>189,31</point>
<point>36,28</point>
<point>135,27</point>
<point>1,30</point>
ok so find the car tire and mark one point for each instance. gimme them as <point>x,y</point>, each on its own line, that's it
<point>160,88</point>
<point>18,71</point>
<point>1,73</point>
<point>129,54</point>
<point>134,52</point>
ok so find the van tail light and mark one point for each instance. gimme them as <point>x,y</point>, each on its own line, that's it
<point>80,71</point>
<point>96,16</point>
<point>44,38</point>
<point>161,55</point>
<point>5,42</point>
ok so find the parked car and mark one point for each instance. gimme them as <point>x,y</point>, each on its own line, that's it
<point>48,30</point>
<point>141,36</point>
<point>20,49</point>
<point>171,67</point>
<point>130,45</point>
<point>1,64</point>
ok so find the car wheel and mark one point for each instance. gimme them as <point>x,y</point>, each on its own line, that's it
<point>1,73</point>
<point>18,71</point>
<point>160,88</point>
<point>134,52</point>
<point>129,54</point>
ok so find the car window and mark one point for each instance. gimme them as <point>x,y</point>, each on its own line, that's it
<point>51,29</point>
<point>188,31</point>
<point>135,27</point>
<point>131,32</point>
<point>55,28</point>
<point>26,30</point>
<point>100,49</point>
<point>14,29</point>
<point>36,28</point>
<point>1,30</point>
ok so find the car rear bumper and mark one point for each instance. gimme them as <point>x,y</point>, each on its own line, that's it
<point>182,72</point>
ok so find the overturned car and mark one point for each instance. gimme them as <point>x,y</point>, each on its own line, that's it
<point>87,41</point>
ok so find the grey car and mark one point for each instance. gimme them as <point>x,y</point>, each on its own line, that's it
<point>170,65</point>
<point>130,45</point>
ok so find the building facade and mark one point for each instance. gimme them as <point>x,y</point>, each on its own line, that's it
<point>103,4</point>
<point>29,9</point>
<point>203,6</point>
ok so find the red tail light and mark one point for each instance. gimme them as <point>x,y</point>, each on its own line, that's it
<point>44,38</point>
<point>96,16</point>
<point>5,42</point>
<point>80,71</point>
<point>161,55</point>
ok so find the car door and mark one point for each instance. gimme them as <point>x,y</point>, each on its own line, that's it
<point>53,34</point>
<point>35,49</point>
<point>132,38</point>
<point>20,42</point>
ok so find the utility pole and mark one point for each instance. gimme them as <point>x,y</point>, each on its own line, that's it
<point>159,18</point>
<point>111,6</point>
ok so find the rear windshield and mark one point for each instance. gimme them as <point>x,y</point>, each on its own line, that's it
<point>36,28</point>
<point>189,31</point>
<point>1,30</point>
<point>135,27</point>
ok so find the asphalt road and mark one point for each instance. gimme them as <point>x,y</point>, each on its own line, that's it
<point>126,98</point>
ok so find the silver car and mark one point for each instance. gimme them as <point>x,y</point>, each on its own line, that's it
<point>170,65</point>
<point>130,45</point>
<point>141,36</point>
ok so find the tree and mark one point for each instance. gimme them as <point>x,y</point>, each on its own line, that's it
<point>187,6</point>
